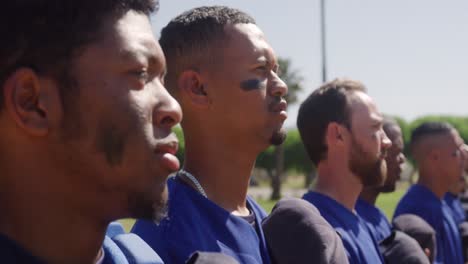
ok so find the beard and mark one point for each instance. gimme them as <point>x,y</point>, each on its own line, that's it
<point>389,185</point>
<point>388,188</point>
<point>278,137</point>
<point>371,170</point>
<point>144,206</point>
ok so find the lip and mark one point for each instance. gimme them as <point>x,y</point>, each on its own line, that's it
<point>280,107</point>
<point>170,147</point>
<point>165,152</point>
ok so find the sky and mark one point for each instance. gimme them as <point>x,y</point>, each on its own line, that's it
<point>412,55</point>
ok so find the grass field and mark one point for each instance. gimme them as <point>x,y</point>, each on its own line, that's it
<point>387,202</point>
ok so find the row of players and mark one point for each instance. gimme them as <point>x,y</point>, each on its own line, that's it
<point>86,139</point>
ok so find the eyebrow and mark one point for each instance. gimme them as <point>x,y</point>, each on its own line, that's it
<point>377,119</point>
<point>140,56</point>
<point>264,60</point>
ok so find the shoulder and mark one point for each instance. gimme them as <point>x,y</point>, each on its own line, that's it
<point>130,248</point>
<point>257,209</point>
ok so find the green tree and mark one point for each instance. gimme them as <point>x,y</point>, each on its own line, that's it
<point>180,136</point>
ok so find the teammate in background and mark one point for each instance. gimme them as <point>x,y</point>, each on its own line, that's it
<point>341,129</point>
<point>85,127</point>
<point>224,73</point>
<point>438,151</point>
<point>365,206</point>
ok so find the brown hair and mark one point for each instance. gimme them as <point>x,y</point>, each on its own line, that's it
<point>329,103</point>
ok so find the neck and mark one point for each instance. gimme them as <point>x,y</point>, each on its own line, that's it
<point>369,195</point>
<point>339,183</point>
<point>222,171</point>
<point>439,188</point>
<point>33,213</point>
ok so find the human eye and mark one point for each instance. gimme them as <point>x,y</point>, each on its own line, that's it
<point>141,74</point>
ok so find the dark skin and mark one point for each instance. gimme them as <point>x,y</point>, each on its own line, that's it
<point>394,160</point>
<point>241,106</point>
<point>105,154</point>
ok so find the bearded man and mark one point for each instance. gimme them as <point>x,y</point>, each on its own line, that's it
<point>342,131</point>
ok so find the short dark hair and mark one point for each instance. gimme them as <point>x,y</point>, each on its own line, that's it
<point>191,38</point>
<point>45,35</point>
<point>329,103</point>
<point>429,129</point>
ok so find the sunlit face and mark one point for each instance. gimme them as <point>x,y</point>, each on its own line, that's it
<point>117,133</point>
<point>369,142</point>
<point>248,94</point>
<point>395,158</point>
<point>451,157</point>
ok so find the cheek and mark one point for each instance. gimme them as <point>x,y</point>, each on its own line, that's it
<point>253,84</point>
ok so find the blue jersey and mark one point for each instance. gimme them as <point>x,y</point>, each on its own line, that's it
<point>420,201</point>
<point>125,249</point>
<point>194,223</point>
<point>457,208</point>
<point>360,245</point>
<point>375,219</point>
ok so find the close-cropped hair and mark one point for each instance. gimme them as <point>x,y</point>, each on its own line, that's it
<point>45,35</point>
<point>192,38</point>
<point>329,103</point>
<point>429,129</point>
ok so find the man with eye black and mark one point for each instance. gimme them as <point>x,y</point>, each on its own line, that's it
<point>223,72</point>
<point>439,153</point>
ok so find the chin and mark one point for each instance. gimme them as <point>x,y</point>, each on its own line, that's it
<point>278,137</point>
<point>388,188</point>
<point>149,206</point>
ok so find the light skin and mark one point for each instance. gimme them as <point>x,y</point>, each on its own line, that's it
<point>336,179</point>
<point>239,101</point>
<point>441,161</point>
<point>395,159</point>
<point>101,154</point>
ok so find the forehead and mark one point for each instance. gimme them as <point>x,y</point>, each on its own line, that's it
<point>393,132</point>
<point>247,41</point>
<point>363,109</point>
<point>445,140</point>
<point>455,137</point>
<point>395,135</point>
<point>127,38</point>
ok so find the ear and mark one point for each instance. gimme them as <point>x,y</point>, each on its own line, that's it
<point>434,154</point>
<point>335,134</point>
<point>27,101</point>
<point>191,85</point>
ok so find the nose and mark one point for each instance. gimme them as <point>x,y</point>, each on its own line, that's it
<point>278,86</point>
<point>402,158</point>
<point>386,142</point>
<point>167,112</point>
